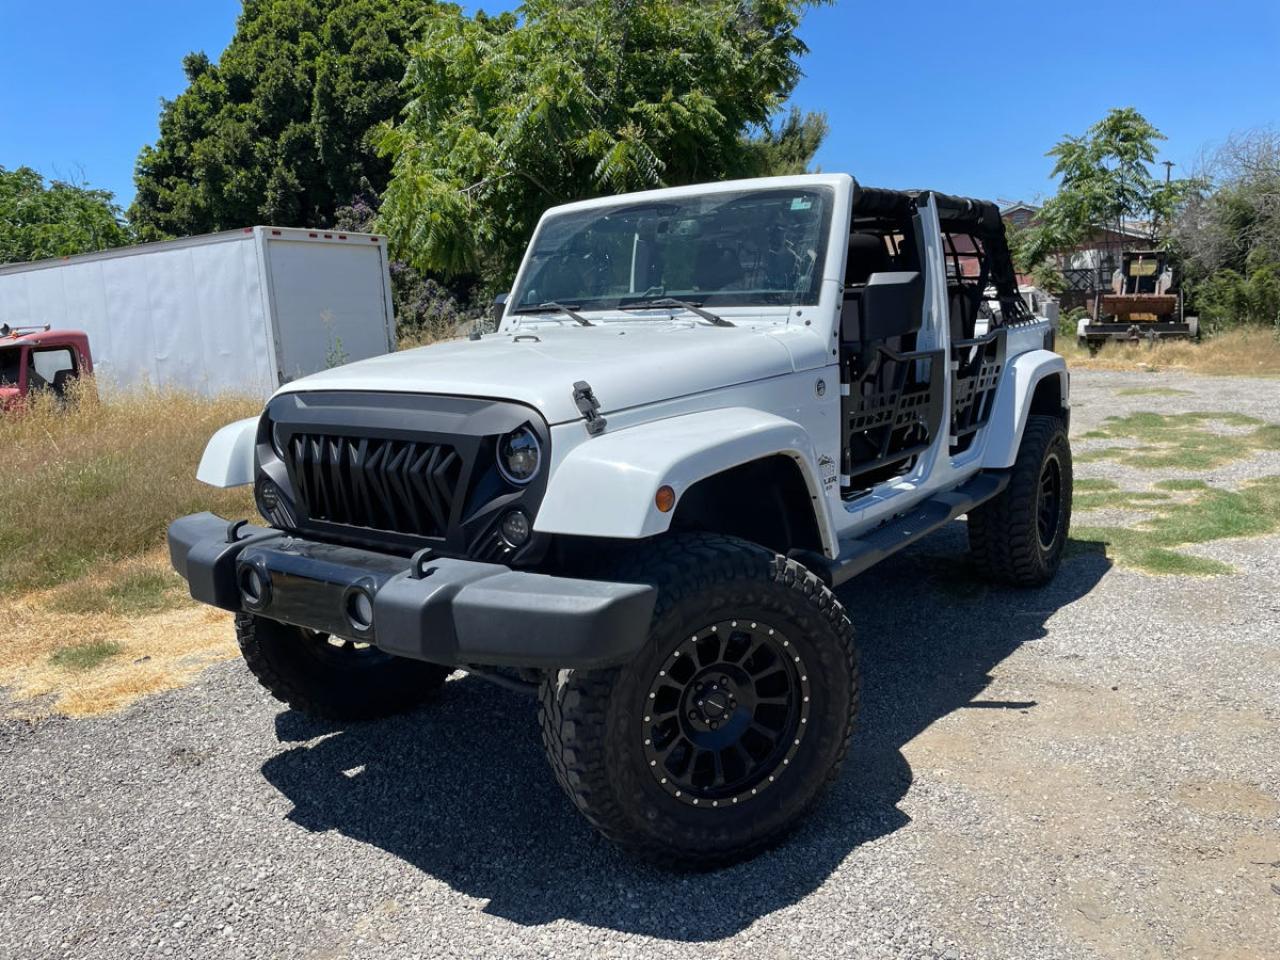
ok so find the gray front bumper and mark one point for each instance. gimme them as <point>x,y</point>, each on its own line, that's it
<point>453,612</point>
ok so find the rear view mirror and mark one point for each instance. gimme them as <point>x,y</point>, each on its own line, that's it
<point>888,305</point>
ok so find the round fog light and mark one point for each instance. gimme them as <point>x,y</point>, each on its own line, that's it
<point>270,496</point>
<point>515,529</point>
<point>360,610</point>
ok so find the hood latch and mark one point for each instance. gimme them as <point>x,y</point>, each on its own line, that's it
<point>587,403</point>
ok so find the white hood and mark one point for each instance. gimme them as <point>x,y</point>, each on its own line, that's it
<point>627,365</point>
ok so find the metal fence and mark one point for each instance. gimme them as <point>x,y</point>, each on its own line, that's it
<point>1087,279</point>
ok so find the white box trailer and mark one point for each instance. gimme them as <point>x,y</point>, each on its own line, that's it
<point>242,311</point>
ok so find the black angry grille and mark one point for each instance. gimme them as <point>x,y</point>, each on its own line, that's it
<point>405,486</point>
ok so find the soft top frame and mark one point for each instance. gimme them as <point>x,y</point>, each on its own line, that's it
<point>979,218</point>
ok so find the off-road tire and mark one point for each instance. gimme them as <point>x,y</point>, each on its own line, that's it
<point>331,685</point>
<point>592,725</point>
<point>1004,533</point>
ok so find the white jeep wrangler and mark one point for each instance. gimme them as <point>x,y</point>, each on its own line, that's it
<point>703,409</point>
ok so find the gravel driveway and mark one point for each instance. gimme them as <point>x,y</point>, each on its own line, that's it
<point>1088,770</point>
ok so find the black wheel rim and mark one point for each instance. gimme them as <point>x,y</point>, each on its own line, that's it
<point>1049,503</point>
<point>725,714</point>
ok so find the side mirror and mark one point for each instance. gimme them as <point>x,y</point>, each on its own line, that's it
<point>497,308</point>
<point>888,305</point>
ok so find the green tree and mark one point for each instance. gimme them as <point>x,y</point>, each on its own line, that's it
<point>277,131</point>
<point>786,148</point>
<point>1239,217</point>
<point>1228,297</point>
<point>512,114</point>
<point>1106,183</point>
<point>1229,233</point>
<point>1029,260</point>
<point>55,220</point>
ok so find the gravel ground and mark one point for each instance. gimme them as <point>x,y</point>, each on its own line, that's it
<point>1087,770</point>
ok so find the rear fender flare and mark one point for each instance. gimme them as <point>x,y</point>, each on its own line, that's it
<point>1023,376</point>
<point>605,486</point>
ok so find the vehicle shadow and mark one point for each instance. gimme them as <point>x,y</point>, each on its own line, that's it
<point>460,790</point>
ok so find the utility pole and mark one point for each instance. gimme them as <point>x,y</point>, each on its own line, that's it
<point>1168,173</point>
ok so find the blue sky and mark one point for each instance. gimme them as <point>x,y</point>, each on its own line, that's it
<point>959,97</point>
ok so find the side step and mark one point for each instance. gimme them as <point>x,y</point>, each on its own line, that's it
<point>856,555</point>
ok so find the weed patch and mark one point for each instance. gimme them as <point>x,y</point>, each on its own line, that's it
<point>136,590</point>
<point>1207,514</point>
<point>85,656</point>
<point>1191,441</point>
<point>1117,499</point>
<point>1181,483</point>
<point>1152,392</point>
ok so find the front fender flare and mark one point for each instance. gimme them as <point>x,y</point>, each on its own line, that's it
<point>1022,376</point>
<point>605,486</point>
<point>228,457</point>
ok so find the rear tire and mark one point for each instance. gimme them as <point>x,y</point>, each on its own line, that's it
<point>331,679</point>
<point>1018,537</point>
<point>724,730</point>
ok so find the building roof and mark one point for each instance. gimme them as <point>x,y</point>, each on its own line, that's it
<point>1007,207</point>
<point>1137,229</point>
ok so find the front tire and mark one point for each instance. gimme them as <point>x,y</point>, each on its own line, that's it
<point>1019,536</point>
<point>724,730</point>
<point>333,679</point>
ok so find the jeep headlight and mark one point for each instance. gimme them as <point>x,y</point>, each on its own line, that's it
<point>519,456</point>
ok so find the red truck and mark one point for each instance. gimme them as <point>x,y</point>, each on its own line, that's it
<point>38,358</point>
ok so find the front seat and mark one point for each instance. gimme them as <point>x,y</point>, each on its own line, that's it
<point>867,255</point>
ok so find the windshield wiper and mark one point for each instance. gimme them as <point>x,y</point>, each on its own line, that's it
<point>682,304</point>
<point>552,305</point>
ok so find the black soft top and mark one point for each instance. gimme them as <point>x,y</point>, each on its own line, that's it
<point>979,217</point>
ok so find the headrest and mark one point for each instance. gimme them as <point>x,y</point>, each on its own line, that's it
<point>867,255</point>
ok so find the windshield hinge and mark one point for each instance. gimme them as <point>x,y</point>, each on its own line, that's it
<point>590,407</point>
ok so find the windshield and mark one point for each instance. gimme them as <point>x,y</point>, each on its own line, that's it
<point>760,247</point>
<point>10,366</point>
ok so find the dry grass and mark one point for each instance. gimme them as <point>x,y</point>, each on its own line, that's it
<point>1241,352</point>
<point>92,615</point>
<point>85,663</point>
<point>409,340</point>
<point>99,480</point>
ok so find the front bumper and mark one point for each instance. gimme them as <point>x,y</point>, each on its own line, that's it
<point>447,611</point>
